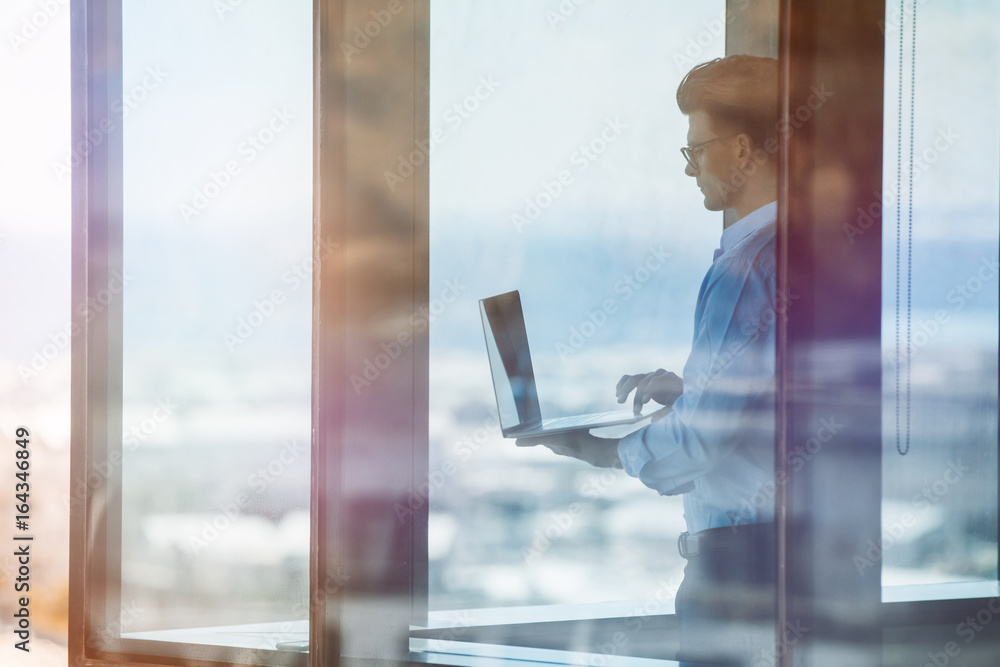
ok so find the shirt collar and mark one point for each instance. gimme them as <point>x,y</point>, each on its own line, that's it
<point>747,225</point>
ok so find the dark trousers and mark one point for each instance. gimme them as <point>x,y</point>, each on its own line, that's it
<point>726,602</point>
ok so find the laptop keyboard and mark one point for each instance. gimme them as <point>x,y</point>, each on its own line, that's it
<point>596,418</point>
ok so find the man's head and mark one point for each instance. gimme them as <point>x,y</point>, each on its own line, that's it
<point>732,108</point>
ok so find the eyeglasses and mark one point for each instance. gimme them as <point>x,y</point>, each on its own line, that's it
<point>689,151</point>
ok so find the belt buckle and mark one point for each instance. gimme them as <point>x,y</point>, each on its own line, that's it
<point>687,545</point>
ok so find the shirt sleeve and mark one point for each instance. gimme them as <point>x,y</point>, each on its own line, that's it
<point>728,381</point>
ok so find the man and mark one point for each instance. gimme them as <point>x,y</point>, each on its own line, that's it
<point>716,446</point>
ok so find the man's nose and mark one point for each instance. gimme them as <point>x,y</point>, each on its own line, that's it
<point>689,170</point>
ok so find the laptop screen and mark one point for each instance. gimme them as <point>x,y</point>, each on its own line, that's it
<point>510,361</point>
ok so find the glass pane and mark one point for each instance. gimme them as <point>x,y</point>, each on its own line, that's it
<point>940,212</point>
<point>555,171</point>
<point>217,320</point>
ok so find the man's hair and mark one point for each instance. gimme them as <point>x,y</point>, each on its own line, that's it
<point>740,91</point>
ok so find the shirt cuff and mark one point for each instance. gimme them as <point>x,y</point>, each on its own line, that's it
<point>633,452</point>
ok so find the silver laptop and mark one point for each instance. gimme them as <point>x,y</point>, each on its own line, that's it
<point>514,379</point>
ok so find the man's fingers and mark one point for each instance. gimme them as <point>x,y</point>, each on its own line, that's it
<point>623,388</point>
<point>630,383</point>
<point>550,440</point>
<point>644,392</point>
<point>639,400</point>
<point>642,385</point>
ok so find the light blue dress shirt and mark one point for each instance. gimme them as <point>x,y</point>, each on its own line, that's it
<point>717,446</point>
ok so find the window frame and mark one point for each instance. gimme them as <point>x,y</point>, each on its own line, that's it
<point>94,625</point>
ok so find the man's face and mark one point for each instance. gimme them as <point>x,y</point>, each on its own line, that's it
<point>714,161</point>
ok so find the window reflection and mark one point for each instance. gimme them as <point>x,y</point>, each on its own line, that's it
<point>217,316</point>
<point>570,217</point>
<point>556,172</point>
<point>940,223</point>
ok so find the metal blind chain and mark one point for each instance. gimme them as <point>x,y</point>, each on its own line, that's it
<point>902,448</point>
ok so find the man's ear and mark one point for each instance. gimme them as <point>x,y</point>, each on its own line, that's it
<point>745,153</point>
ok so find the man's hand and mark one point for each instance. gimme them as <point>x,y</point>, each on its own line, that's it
<point>661,386</point>
<point>599,452</point>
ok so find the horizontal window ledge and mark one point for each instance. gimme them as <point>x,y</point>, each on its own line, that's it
<point>467,654</point>
<point>933,604</point>
<point>260,636</point>
<point>550,612</point>
<point>644,629</point>
<point>956,590</point>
